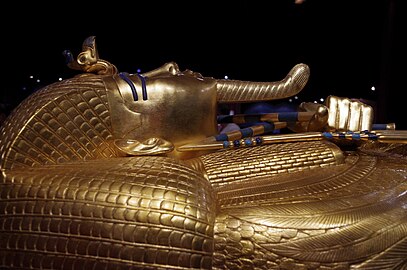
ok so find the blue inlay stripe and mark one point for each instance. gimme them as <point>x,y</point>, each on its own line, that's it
<point>143,86</point>
<point>372,136</point>
<point>246,132</point>
<point>124,77</point>
<point>268,127</point>
<point>288,116</point>
<point>356,136</point>
<point>221,137</point>
<point>327,135</point>
<point>379,127</point>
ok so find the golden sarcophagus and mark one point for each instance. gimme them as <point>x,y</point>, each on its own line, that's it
<point>110,170</point>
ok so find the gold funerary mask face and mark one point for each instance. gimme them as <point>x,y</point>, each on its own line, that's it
<point>179,107</point>
<point>173,106</point>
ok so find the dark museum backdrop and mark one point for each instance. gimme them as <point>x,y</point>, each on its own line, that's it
<point>353,48</point>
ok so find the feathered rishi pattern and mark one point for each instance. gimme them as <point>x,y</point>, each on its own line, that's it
<point>352,216</point>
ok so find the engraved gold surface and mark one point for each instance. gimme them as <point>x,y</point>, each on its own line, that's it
<point>181,106</point>
<point>66,121</point>
<point>73,196</point>
<point>342,217</point>
<point>125,212</point>
<point>170,98</point>
<point>240,91</point>
<point>228,167</point>
<point>88,60</point>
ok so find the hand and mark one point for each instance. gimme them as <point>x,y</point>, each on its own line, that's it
<point>316,123</point>
<point>348,115</point>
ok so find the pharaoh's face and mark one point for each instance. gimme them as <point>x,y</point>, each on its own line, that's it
<point>178,106</point>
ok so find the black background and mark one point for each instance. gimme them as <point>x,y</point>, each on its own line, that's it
<point>350,46</point>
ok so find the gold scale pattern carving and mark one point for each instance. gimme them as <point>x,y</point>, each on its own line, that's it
<point>72,123</point>
<point>106,214</point>
<point>341,217</point>
<point>226,167</point>
<point>81,209</point>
